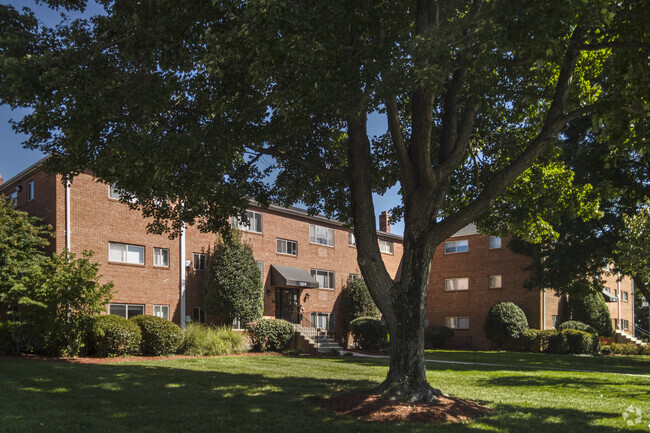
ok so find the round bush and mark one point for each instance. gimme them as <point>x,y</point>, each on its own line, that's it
<point>274,335</point>
<point>573,341</point>
<point>592,310</point>
<point>115,336</point>
<point>578,326</point>
<point>159,336</point>
<point>535,340</point>
<point>369,333</point>
<point>505,320</point>
<point>436,337</point>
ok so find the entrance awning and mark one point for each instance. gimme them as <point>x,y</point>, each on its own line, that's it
<point>609,297</point>
<point>291,277</point>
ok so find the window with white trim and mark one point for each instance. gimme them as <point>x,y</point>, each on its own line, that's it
<point>125,253</point>
<point>30,190</point>
<point>494,282</point>
<point>198,315</point>
<point>161,257</point>
<point>456,284</point>
<point>325,278</point>
<point>457,322</point>
<point>323,321</point>
<point>238,324</point>
<point>626,324</point>
<point>554,321</point>
<point>283,246</point>
<point>199,261</point>
<point>13,199</point>
<point>453,247</point>
<point>161,311</point>
<point>352,241</point>
<point>494,242</point>
<point>126,310</point>
<point>321,235</point>
<point>625,296</point>
<point>254,223</point>
<point>352,277</point>
<point>385,246</point>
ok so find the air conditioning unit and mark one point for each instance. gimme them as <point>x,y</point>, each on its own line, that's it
<point>188,263</point>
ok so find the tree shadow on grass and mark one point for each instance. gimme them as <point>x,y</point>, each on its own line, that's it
<point>203,396</point>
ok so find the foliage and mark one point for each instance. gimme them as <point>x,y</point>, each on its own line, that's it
<point>356,302</point>
<point>369,333</point>
<point>435,337</point>
<point>504,320</point>
<point>232,288</point>
<point>625,349</point>
<point>592,310</point>
<point>574,341</point>
<point>202,340</point>
<point>270,335</point>
<point>7,345</point>
<point>535,340</point>
<point>159,336</point>
<point>632,249</point>
<point>574,324</point>
<point>115,336</point>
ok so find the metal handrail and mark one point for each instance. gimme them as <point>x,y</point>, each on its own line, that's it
<point>642,331</point>
<point>310,330</point>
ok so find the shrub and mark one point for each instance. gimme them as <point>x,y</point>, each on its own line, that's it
<point>535,340</point>
<point>7,345</point>
<point>27,338</point>
<point>504,320</point>
<point>579,326</point>
<point>574,341</point>
<point>369,333</point>
<point>357,302</point>
<point>592,310</point>
<point>115,336</point>
<point>625,349</point>
<point>273,335</point>
<point>203,340</point>
<point>436,337</point>
<point>159,336</point>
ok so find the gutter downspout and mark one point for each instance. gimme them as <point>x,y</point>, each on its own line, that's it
<point>543,309</point>
<point>181,263</point>
<point>620,295</point>
<point>67,215</point>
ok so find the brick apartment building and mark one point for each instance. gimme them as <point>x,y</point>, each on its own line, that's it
<point>305,262</point>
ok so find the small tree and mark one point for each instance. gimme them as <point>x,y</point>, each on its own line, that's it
<point>357,301</point>
<point>591,309</point>
<point>505,320</point>
<point>233,288</point>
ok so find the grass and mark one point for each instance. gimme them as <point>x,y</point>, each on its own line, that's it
<point>279,394</point>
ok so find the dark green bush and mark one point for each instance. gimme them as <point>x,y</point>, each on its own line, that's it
<point>7,345</point>
<point>592,310</point>
<point>357,302</point>
<point>159,336</point>
<point>578,326</point>
<point>574,341</point>
<point>369,333</point>
<point>505,320</point>
<point>28,338</point>
<point>115,336</point>
<point>270,335</point>
<point>436,337</point>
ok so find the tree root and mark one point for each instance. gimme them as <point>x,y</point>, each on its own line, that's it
<point>404,392</point>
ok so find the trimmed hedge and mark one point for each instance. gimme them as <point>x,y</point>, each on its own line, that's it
<point>578,326</point>
<point>115,336</point>
<point>574,341</point>
<point>536,340</point>
<point>199,339</point>
<point>159,336</point>
<point>592,310</point>
<point>505,320</point>
<point>270,335</point>
<point>436,337</point>
<point>625,349</point>
<point>369,333</point>
<point>7,345</point>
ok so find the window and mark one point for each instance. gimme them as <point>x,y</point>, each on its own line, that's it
<point>353,277</point>
<point>352,241</point>
<point>161,311</point>
<point>199,262</point>
<point>126,310</point>
<point>625,296</point>
<point>615,323</point>
<point>554,321</point>
<point>323,321</point>
<point>13,199</point>
<point>456,247</point>
<point>456,284</point>
<point>284,246</point>
<point>494,242</point>
<point>125,253</point>
<point>494,282</point>
<point>254,223</point>
<point>385,246</point>
<point>161,257</point>
<point>237,324</point>
<point>457,322</point>
<point>260,266</point>
<point>626,324</point>
<point>199,315</point>
<point>325,278</point>
<point>30,190</point>
<point>321,235</point>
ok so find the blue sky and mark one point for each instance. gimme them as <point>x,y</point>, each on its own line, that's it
<point>15,158</point>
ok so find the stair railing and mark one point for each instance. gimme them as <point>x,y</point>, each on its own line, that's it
<point>642,331</point>
<point>311,330</point>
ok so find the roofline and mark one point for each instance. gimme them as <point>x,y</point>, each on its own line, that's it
<point>29,170</point>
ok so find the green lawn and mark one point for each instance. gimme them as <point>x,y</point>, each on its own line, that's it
<point>279,394</point>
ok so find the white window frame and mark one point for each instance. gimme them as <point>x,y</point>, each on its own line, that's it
<point>626,296</point>
<point>254,225</point>
<point>455,322</point>
<point>126,309</point>
<point>330,318</point>
<point>331,277</point>
<point>455,245</point>
<point>157,253</point>
<point>314,237</point>
<point>285,243</point>
<point>202,261</point>
<point>494,242</point>
<point>13,199</point>
<point>352,241</point>
<point>386,247</point>
<point>452,284</point>
<point>30,190</point>
<point>161,311</point>
<point>125,254</point>
<point>495,281</point>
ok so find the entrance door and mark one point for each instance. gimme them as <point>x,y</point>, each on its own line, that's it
<point>286,304</point>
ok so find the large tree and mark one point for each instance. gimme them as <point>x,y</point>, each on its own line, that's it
<point>180,105</point>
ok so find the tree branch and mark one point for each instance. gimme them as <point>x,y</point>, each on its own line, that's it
<point>640,284</point>
<point>406,167</point>
<point>450,116</point>
<point>276,152</point>
<point>614,44</point>
<point>635,111</point>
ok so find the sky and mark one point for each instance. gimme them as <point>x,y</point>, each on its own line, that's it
<point>14,157</point>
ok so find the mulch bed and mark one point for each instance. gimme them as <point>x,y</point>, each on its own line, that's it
<point>363,404</point>
<point>119,359</point>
